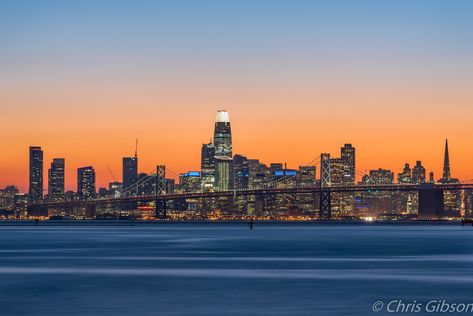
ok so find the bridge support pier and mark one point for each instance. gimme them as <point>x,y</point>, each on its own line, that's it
<point>325,210</point>
<point>161,208</point>
<point>90,211</point>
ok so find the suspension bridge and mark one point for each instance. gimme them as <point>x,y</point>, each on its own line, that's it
<point>430,194</point>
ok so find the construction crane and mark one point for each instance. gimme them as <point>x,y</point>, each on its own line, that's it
<point>111,173</point>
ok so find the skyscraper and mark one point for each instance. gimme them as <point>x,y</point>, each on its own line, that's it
<point>223,173</point>
<point>35,192</point>
<point>223,152</point>
<point>86,183</point>
<point>452,198</point>
<point>418,173</point>
<point>446,163</point>
<point>347,155</point>
<point>207,166</point>
<point>130,171</point>
<point>223,135</point>
<point>406,175</point>
<point>56,180</point>
<point>241,169</point>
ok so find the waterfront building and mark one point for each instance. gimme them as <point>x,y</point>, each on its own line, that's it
<point>7,197</point>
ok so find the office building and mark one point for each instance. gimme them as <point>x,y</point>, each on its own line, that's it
<point>35,192</point>
<point>223,135</point>
<point>130,172</point>
<point>207,166</point>
<point>86,183</point>
<point>418,173</point>
<point>56,180</point>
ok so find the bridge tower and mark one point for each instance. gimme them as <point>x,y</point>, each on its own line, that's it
<point>325,211</point>
<point>160,190</point>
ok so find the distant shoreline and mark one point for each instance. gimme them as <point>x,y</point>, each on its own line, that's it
<point>218,222</point>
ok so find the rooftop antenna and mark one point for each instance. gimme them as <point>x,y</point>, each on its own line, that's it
<point>136,148</point>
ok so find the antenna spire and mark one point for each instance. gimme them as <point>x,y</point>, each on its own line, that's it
<point>136,148</point>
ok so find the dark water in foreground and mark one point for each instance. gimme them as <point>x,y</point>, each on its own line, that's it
<point>201,269</point>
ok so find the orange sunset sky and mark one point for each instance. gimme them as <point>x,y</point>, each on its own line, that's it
<point>298,78</point>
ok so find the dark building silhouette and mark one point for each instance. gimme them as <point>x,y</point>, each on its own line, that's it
<point>35,192</point>
<point>130,171</point>
<point>431,203</point>
<point>446,163</point>
<point>241,172</point>
<point>86,183</point>
<point>56,180</point>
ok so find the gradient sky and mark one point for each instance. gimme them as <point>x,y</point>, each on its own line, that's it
<point>83,79</point>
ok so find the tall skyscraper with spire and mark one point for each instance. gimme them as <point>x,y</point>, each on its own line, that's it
<point>451,198</point>
<point>446,163</point>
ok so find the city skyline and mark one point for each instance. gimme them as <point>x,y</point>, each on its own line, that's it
<point>130,170</point>
<point>392,78</point>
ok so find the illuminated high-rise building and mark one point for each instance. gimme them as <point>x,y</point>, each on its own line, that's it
<point>223,135</point>
<point>86,183</point>
<point>406,175</point>
<point>190,181</point>
<point>56,180</point>
<point>347,156</point>
<point>207,166</point>
<point>418,173</point>
<point>223,152</point>
<point>35,192</point>
<point>223,173</point>
<point>379,176</point>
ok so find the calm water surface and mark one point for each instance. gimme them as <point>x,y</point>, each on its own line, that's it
<point>218,269</point>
